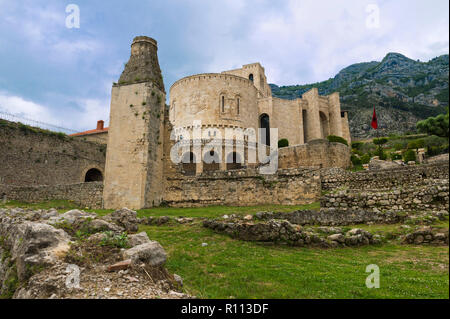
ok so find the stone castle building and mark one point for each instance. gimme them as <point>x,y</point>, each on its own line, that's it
<point>143,129</point>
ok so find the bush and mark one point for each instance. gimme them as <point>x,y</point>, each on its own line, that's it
<point>283,143</point>
<point>380,140</point>
<point>409,155</point>
<point>365,159</point>
<point>415,144</point>
<point>395,156</point>
<point>435,125</point>
<point>381,154</point>
<point>357,145</point>
<point>337,139</point>
<point>356,161</point>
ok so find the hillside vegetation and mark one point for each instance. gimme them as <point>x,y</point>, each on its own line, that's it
<point>403,91</point>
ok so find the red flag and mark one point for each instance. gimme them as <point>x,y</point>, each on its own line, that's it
<point>374,123</point>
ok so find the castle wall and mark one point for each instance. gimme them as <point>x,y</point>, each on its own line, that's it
<point>82,194</point>
<point>317,153</point>
<point>30,156</point>
<point>244,188</point>
<point>101,138</point>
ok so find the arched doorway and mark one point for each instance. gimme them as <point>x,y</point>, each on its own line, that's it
<point>188,164</point>
<point>234,161</point>
<point>211,161</point>
<point>93,175</point>
<point>250,77</point>
<point>264,123</point>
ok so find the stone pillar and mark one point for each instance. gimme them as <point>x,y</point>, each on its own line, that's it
<point>134,165</point>
<point>335,114</point>
<point>313,117</point>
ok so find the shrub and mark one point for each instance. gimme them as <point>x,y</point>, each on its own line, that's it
<point>357,145</point>
<point>395,156</point>
<point>337,139</point>
<point>365,159</point>
<point>409,155</point>
<point>438,125</point>
<point>356,161</point>
<point>381,154</point>
<point>415,144</point>
<point>283,143</point>
<point>380,140</point>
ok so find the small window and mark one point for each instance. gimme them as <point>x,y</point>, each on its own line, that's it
<point>250,77</point>
<point>223,103</point>
<point>238,105</point>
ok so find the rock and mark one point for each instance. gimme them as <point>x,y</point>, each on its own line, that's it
<point>225,217</point>
<point>150,253</point>
<point>122,265</point>
<point>337,237</point>
<point>99,225</point>
<point>178,279</point>
<point>204,244</point>
<point>126,218</point>
<point>248,217</point>
<point>418,239</point>
<point>138,239</point>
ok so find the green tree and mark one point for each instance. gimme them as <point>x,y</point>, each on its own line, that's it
<point>283,143</point>
<point>437,125</point>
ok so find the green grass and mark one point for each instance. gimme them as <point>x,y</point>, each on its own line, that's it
<point>209,211</point>
<point>229,268</point>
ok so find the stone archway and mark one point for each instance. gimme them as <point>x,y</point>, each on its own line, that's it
<point>211,161</point>
<point>264,123</point>
<point>234,161</point>
<point>189,164</point>
<point>93,175</point>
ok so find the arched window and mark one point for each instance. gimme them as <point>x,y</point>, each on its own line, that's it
<point>234,161</point>
<point>238,102</point>
<point>250,77</point>
<point>264,123</point>
<point>93,175</point>
<point>188,163</point>
<point>211,161</point>
<point>222,103</point>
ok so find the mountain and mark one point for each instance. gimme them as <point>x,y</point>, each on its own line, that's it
<point>403,91</point>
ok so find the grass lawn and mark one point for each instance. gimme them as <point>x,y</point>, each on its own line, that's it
<point>230,268</point>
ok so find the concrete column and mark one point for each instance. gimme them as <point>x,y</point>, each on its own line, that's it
<point>313,117</point>
<point>335,114</point>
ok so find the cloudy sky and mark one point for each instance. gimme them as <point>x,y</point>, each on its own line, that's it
<point>63,76</point>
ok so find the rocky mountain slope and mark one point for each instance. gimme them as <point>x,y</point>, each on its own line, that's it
<point>402,90</point>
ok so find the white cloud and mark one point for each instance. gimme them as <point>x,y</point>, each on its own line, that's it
<point>83,117</point>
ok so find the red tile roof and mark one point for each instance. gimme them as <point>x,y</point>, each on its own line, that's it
<point>90,132</point>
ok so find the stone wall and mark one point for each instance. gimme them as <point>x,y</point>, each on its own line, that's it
<point>244,188</point>
<point>82,194</point>
<point>317,153</point>
<point>336,178</point>
<point>433,194</point>
<point>30,156</point>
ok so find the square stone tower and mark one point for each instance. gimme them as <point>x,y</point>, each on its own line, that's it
<point>134,166</point>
